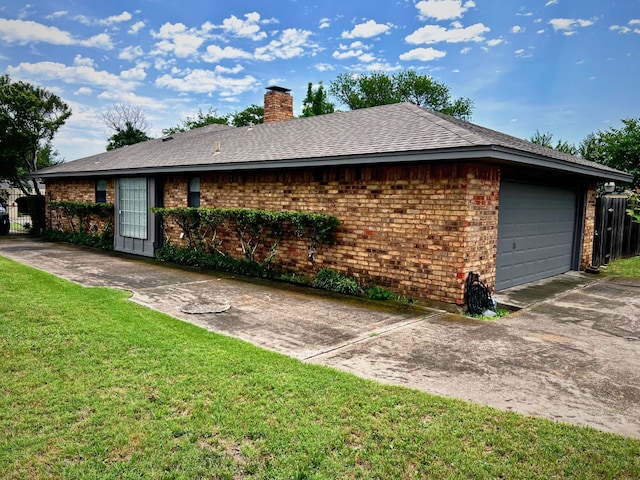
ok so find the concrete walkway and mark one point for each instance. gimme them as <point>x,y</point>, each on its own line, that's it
<point>572,356</point>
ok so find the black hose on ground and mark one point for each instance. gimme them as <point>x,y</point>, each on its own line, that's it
<point>478,297</point>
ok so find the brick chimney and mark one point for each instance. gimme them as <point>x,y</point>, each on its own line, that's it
<point>278,105</point>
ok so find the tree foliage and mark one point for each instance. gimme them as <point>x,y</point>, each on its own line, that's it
<point>29,118</point>
<point>315,103</point>
<point>252,115</point>
<point>200,120</point>
<point>546,140</point>
<point>128,135</point>
<point>379,88</point>
<point>617,148</point>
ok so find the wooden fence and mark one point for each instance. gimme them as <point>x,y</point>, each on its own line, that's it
<point>617,236</point>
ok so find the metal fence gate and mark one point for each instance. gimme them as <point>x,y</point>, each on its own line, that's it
<point>23,210</point>
<point>617,236</point>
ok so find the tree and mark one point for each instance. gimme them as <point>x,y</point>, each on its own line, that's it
<point>546,140</point>
<point>129,135</point>
<point>315,102</point>
<point>200,120</point>
<point>617,148</point>
<point>118,116</point>
<point>29,119</point>
<point>252,115</point>
<point>379,88</point>
<point>128,124</point>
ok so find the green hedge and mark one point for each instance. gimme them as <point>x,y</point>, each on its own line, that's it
<point>252,227</point>
<point>79,215</point>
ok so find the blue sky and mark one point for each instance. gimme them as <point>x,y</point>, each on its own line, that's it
<point>568,67</point>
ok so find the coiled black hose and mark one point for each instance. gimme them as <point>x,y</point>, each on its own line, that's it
<point>477,294</point>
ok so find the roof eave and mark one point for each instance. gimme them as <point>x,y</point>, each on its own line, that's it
<point>467,153</point>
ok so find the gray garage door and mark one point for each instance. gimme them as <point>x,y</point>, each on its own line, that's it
<point>535,233</point>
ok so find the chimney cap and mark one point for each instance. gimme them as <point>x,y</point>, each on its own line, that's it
<point>275,88</point>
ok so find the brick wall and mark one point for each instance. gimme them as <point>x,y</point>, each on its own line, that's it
<point>418,230</point>
<point>589,228</point>
<point>77,190</point>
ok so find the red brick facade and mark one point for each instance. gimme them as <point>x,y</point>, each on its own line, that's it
<point>416,229</point>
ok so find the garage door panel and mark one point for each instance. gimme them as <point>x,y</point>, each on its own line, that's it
<point>535,233</point>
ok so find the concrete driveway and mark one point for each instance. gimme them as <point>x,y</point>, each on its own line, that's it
<point>574,357</point>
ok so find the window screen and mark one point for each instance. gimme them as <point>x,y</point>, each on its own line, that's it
<point>194,192</point>
<point>133,207</point>
<point>101,191</point>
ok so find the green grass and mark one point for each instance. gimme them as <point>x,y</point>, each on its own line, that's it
<point>626,267</point>
<point>93,386</point>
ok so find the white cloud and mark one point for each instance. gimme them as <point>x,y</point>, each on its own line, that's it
<point>324,67</point>
<point>79,60</point>
<point>443,9</point>
<point>324,23</point>
<point>494,42</point>
<point>346,54</point>
<point>102,40</point>
<point>136,27</point>
<point>176,39</point>
<point>131,53</point>
<point>235,70</point>
<point>135,73</point>
<point>623,29</point>
<point>292,43</point>
<point>207,81</point>
<point>435,34</point>
<point>551,2</point>
<point>465,50</point>
<point>83,91</point>
<point>568,26</point>
<point>367,30</point>
<point>76,75</point>
<point>249,28</point>
<point>423,54</point>
<point>215,53</point>
<point>123,17</point>
<point>58,14</point>
<point>23,32</point>
<point>517,29</point>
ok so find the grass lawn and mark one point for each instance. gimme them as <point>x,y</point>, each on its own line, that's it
<point>94,386</point>
<point>627,267</point>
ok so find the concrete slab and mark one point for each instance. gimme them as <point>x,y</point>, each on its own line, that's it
<point>523,296</point>
<point>572,354</point>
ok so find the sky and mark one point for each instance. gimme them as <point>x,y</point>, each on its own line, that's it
<point>565,67</point>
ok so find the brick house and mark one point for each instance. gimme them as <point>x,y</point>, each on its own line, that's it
<point>423,198</point>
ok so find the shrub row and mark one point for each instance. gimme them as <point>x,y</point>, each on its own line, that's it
<point>85,230</point>
<point>252,227</point>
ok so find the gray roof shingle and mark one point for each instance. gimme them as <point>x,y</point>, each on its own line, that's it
<point>383,133</point>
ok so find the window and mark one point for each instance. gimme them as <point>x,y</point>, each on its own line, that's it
<point>194,192</point>
<point>133,207</point>
<point>101,191</point>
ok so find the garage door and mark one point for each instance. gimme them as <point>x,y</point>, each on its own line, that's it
<point>536,227</point>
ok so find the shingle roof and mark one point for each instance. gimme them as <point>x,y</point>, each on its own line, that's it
<point>398,132</point>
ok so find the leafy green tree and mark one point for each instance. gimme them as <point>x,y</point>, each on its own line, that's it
<point>316,103</point>
<point>546,140</point>
<point>379,88</point>
<point>617,148</point>
<point>252,115</point>
<point>200,120</point>
<point>128,135</point>
<point>29,119</point>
